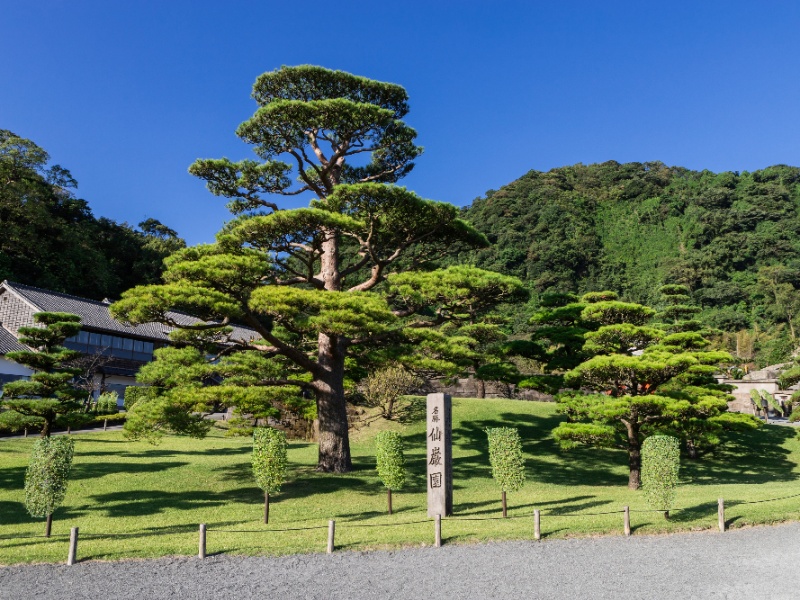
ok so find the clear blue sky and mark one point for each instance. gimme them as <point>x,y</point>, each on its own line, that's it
<point>127,94</point>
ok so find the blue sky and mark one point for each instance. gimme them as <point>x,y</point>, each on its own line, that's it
<point>127,94</point>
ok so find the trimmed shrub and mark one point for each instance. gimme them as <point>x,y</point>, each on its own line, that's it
<point>134,393</point>
<point>390,459</point>
<point>390,462</point>
<point>661,461</point>
<point>47,476</point>
<point>505,456</point>
<point>270,462</point>
<point>107,404</point>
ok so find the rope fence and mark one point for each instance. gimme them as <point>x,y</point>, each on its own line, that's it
<point>537,515</point>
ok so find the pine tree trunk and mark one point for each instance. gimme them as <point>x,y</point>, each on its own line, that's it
<point>691,449</point>
<point>389,498</point>
<point>334,442</point>
<point>481,388</point>
<point>505,510</point>
<point>47,427</point>
<point>48,526</point>
<point>634,456</point>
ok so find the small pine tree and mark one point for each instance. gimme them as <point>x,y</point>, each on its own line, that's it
<point>270,462</point>
<point>505,456</point>
<point>47,476</point>
<point>390,462</point>
<point>661,461</point>
<point>50,392</point>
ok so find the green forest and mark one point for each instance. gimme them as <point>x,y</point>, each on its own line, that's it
<point>50,238</point>
<point>732,238</point>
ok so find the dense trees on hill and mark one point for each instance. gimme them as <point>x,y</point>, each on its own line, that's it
<point>51,239</point>
<point>731,238</point>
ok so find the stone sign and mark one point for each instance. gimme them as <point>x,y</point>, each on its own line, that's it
<point>440,455</point>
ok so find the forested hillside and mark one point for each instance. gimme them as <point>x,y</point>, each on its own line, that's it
<point>731,237</point>
<point>51,239</point>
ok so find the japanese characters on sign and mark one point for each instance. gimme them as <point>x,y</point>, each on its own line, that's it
<point>439,456</point>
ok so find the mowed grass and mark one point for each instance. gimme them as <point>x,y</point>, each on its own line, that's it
<point>134,500</point>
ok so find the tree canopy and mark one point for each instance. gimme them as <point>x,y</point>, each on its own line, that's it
<point>351,274</point>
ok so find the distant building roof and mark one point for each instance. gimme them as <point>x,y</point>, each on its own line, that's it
<point>8,343</point>
<point>95,315</point>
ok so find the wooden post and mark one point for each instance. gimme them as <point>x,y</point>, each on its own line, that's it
<point>627,519</point>
<point>266,508</point>
<point>389,498</point>
<point>721,514</point>
<point>438,531</point>
<point>48,525</point>
<point>105,424</point>
<point>331,533</point>
<point>26,432</point>
<point>73,546</point>
<point>505,512</point>
<point>69,429</point>
<point>537,525</point>
<point>202,553</point>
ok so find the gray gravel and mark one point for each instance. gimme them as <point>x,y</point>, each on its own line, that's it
<point>745,563</point>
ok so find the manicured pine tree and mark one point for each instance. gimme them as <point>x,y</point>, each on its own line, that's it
<point>49,393</point>
<point>311,281</point>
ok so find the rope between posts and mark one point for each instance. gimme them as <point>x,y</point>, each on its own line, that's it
<point>488,518</point>
<point>30,537</point>
<point>268,530</point>
<point>354,525</point>
<point>611,512</point>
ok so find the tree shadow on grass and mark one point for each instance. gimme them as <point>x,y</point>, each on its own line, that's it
<point>101,469</point>
<point>747,457</point>
<point>13,513</point>
<point>12,478</point>
<point>138,503</point>
<point>582,466</point>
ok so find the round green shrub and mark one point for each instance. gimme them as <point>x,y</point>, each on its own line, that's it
<point>47,474</point>
<point>270,460</point>
<point>390,459</point>
<point>661,461</point>
<point>505,456</point>
<point>107,404</point>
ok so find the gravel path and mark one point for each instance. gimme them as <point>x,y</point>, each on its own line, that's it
<point>744,563</point>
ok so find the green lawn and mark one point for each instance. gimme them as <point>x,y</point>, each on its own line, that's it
<point>133,500</point>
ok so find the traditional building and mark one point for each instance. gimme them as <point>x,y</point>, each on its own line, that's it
<point>113,351</point>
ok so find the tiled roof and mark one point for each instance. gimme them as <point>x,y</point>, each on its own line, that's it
<point>8,343</point>
<point>95,314</point>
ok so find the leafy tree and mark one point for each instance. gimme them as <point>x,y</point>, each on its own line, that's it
<point>634,227</point>
<point>384,387</point>
<point>270,462</point>
<point>339,279</point>
<point>505,456</point>
<point>73,252</point>
<point>661,462</point>
<point>49,393</point>
<point>47,476</point>
<point>390,462</point>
